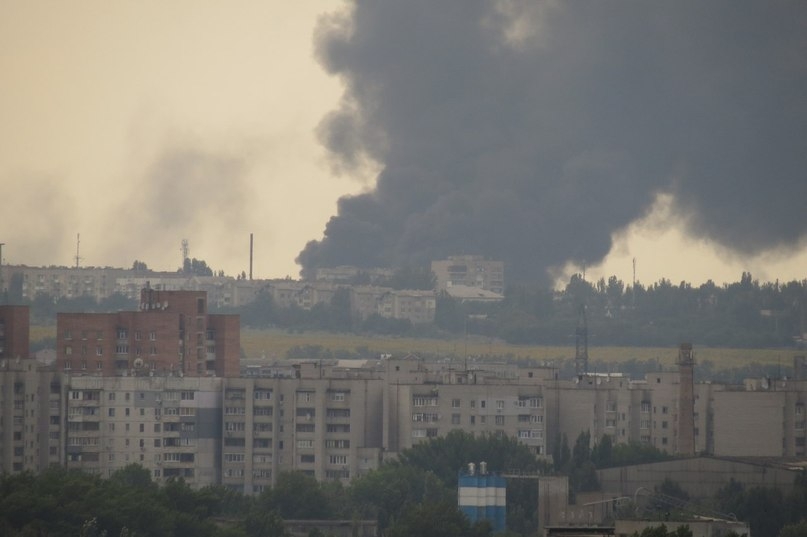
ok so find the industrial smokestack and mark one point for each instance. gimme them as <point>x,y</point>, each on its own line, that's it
<point>686,400</point>
<point>250,257</point>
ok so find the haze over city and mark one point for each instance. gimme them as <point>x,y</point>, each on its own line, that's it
<point>552,136</point>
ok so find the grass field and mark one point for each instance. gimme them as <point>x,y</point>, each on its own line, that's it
<point>272,345</point>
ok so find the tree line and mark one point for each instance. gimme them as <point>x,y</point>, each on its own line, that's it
<point>412,496</point>
<point>743,314</point>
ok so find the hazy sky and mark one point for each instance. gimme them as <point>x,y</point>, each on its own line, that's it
<point>139,124</point>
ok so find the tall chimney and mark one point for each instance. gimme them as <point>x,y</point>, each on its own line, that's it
<point>686,400</point>
<point>250,257</point>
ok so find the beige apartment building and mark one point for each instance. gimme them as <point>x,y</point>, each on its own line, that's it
<point>323,421</point>
<point>169,425</point>
<point>471,271</point>
<point>339,419</point>
<point>32,433</point>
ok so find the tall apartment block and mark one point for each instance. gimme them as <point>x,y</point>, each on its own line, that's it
<point>32,432</point>
<point>469,270</point>
<point>325,422</point>
<point>171,334</point>
<point>31,400</point>
<point>169,425</point>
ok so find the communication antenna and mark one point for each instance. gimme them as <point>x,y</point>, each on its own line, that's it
<point>78,244</point>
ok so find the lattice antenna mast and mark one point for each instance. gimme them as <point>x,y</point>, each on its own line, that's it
<point>581,343</point>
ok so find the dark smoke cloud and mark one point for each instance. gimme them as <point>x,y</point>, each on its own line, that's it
<point>531,132</point>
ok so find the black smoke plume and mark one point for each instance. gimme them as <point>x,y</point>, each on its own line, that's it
<point>530,132</point>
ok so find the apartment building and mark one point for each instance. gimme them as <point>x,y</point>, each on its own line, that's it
<point>169,425</point>
<point>14,332</point>
<point>471,271</point>
<point>32,433</point>
<point>171,333</point>
<point>323,421</point>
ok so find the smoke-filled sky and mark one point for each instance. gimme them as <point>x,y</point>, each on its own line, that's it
<point>551,135</point>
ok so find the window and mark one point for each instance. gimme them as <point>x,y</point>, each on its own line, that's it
<point>187,396</point>
<point>337,459</point>
<point>337,396</point>
<point>228,457</point>
<point>420,400</point>
<point>499,404</point>
<point>499,420</point>
<point>68,350</point>
<point>455,403</point>
<point>455,419</point>
<point>305,444</point>
<point>234,426</point>
<point>307,458</point>
<point>152,336</point>
<point>99,350</point>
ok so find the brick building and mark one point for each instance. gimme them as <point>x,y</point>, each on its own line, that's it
<point>14,332</point>
<point>172,333</point>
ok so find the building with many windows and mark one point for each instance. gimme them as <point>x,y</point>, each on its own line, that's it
<point>471,271</point>
<point>172,333</point>
<point>169,425</point>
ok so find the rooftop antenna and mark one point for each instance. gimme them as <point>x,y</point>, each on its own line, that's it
<point>78,243</point>
<point>633,289</point>
<point>250,257</point>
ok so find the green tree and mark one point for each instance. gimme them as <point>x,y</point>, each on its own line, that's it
<point>436,519</point>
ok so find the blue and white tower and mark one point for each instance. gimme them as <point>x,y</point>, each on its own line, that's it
<point>483,496</point>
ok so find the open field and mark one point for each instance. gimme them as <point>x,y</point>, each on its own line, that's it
<point>272,345</point>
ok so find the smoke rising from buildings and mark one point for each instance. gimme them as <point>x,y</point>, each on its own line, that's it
<point>185,192</point>
<point>532,132</point>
